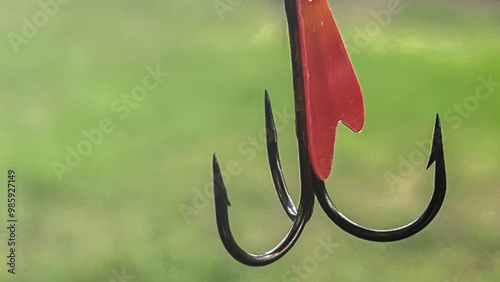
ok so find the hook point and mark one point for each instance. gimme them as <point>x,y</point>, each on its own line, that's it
<point>272,136</point>
<point>220,191</point>
<point>437,143</point>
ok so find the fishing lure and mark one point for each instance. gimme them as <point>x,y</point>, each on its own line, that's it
<point>327,92</point>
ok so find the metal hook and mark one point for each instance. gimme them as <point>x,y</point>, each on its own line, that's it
<point>311,184</point>
<point>437,156</point>
<point>306,204</point>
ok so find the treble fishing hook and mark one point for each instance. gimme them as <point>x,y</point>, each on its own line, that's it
<point>314,167</point>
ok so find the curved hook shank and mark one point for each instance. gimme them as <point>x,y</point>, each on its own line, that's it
<point>275,163</point>
<point>437,156</point>
<point>222,216</point>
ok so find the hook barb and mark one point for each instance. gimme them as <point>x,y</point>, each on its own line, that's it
<point>220,190</point>
<point>437,143</point>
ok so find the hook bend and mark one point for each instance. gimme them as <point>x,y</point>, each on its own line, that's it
<point>299,217</point>
<point>437,157</point>
<point>222,216</point>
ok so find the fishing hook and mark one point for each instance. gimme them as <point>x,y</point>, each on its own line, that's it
<point>312,182</point>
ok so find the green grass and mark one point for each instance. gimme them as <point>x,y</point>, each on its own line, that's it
<point>120,209</point>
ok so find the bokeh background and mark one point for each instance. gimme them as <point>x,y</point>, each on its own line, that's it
<point>136,205</point>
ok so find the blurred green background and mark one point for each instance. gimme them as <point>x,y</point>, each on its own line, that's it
<point>136,204</point>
